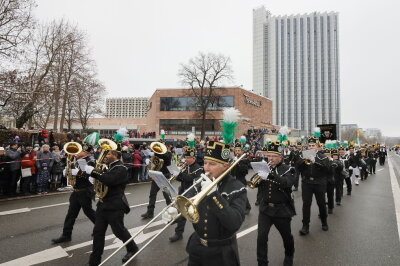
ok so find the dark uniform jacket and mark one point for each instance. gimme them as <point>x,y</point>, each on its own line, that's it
<point>345,161</point>
<point>241,170</point>
<point>187,176</point>
<point>276,192</point>
<point>167,162</point>
<point>82,179</point>
<point>4,169</point>
<point>115,178</point>
<point>221,215</point>
<point>337,170</point>
<point>315,173</point>
<point>355,160</point>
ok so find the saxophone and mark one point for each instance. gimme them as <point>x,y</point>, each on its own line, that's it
<point>107,145</point>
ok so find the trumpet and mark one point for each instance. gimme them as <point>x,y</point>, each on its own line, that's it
<point>106,145</point>
<point>189,207</point>
<point>72,149</point>
<point>181,171</point>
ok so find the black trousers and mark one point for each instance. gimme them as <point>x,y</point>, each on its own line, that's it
<point>12,185</point>
<point>180,225</point>
<point>338,190</point>
<point>348,184</point>
<point>372,166</point>
<point>296,184</point>
<point>382,160</point>
<point>200,255</point>
<point>24,184</point>
<point>78,200</point>
<point>264,225</point>
<point>308,190</point>
<point>330,191</point>
<point>153,196</point>
<point>115,219</point>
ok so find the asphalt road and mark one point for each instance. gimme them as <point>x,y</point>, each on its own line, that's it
<point>363,231</point>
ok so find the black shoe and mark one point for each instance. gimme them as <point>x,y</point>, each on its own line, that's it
<point>257,203</point>
<point>330,211</point>
<point>247,211</point>
<point>175,237</point>
<point>147,215</point>
<point>305,230</point>
<point>288,261</point>
<point>129,254</point>
<point>348,193</point>
<point>61,239</point>
<point>338,203</point>
<point>325,227</point>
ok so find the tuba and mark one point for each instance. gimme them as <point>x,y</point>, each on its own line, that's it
<point>106,145</point>
<point>71,149</point>
<point>157,163</point>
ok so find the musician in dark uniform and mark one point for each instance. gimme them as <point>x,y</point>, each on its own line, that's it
<point>337,171</point>
<point>296,157</point>
<point>382,153</point>
<point>314,181</point>
<point>81,197</point>
<point>190,172</point>
<point>221,213</point>
<point>288,156</point>
<point>260,156</point>
<point>112,207</point>
<point>241,170</point>
<point>344,158</point>
<point>166,157</point>
<point>277,206</point>
<point>330,185</point>
<point>372,155</point>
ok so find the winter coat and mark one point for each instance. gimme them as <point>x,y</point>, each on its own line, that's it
<point>29,161</point>
<point>14,155</point>
<point>137,159</point>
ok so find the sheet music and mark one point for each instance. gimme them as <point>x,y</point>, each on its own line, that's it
<point>163,183</point>
<point>261,168</point>
<point>309,154</point>
<point>82,164</point>
<point>179,151</point>
<point>173,169</point>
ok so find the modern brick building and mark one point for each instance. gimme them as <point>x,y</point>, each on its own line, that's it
<point>174,111</point>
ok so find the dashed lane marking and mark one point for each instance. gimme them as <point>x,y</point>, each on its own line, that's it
<point>39,257</point>
<point>396,194</point>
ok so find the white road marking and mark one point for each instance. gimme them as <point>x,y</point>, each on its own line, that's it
<point>39,257</point>
<point>247,231</point>
<point>396,194</point>
<point>22,210</point>
<point>380,169</point>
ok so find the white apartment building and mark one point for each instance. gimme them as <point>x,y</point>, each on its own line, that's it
<point>134,107</point>
<point>296,65</point>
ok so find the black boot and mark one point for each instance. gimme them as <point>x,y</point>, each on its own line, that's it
<point>175,237</point>
<point>61,239</point>
<point>147,215</point>
<point>330,211</point>
<point>325,226</point>
<point>305,230</point>
<point>348,193</point>
<point>129,254</point>
<point>288,261</point>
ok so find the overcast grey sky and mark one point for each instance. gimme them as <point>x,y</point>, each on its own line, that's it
<point>138,45</point>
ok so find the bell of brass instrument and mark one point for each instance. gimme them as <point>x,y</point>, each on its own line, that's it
<point>254,181</point>
<point>308,162</point>
<point>189,207</point>
<point>106,145</point>
<point>71,149</point>
<point>156,163</point>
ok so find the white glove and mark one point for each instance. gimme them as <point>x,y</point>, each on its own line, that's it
<point>206,182</point>
<point>169,215</point>
<point>147,161</point>
<point>74,171</point>
<point>88,169</point>
<point>64,172</point>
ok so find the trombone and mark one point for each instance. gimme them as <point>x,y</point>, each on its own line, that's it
<point>198,181</point>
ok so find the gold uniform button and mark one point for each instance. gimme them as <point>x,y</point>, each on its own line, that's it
<point>205,220</point>
<point>205,227</point>
<point>205,235</point>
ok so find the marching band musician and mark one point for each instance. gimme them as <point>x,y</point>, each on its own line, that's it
<point>337,170</point>
<point>221,213</point>
<point>241,170</point>
<point>296,155</point>
<point>111,209</point>
<point>187,176</point>
<point>330,185</point>
<point>81,197</point>
<point>372,155</point>
<point>166,157</point>
<point>344,158</point>
<point>314,179</point>
<point>276,207</point>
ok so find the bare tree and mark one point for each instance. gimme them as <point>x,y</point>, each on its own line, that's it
<point>15,24</point>
<point>203,74</point>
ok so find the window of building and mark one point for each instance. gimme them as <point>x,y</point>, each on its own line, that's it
<point>190,103</point>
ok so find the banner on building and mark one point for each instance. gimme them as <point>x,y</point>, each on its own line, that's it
<point>328,131</point>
